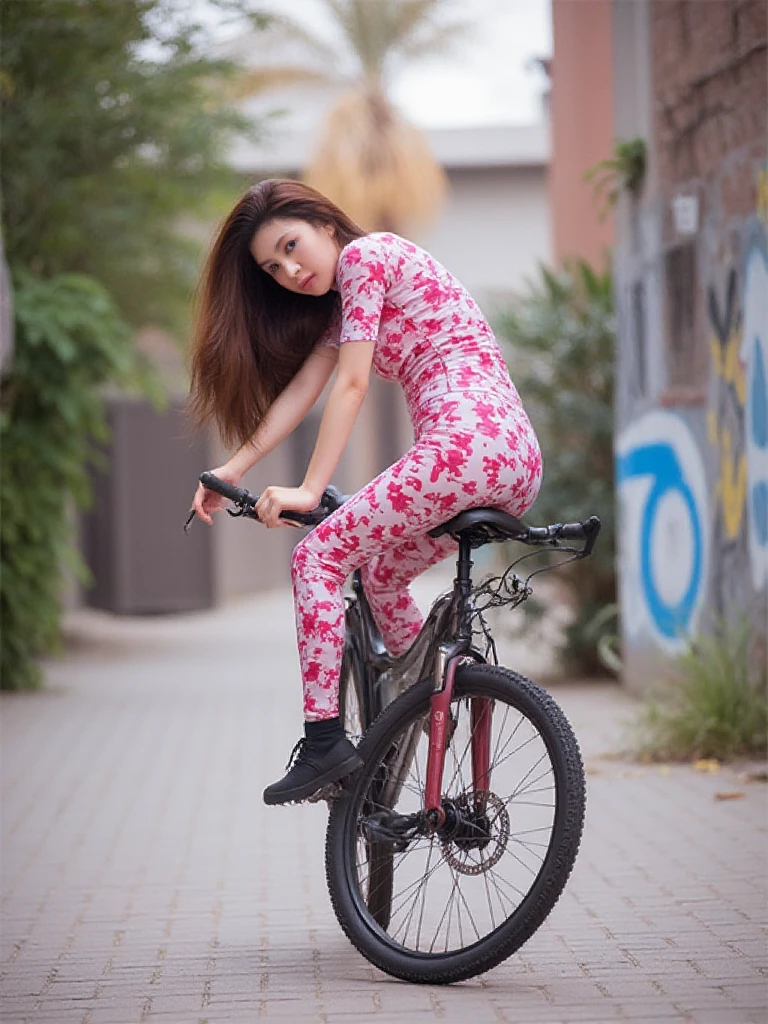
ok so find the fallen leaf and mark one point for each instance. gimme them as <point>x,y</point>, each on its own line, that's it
<point>707,764</point>
<point>735,795</point>
<point>665,770</point>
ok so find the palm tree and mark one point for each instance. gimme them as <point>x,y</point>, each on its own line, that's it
<point>369,158</point>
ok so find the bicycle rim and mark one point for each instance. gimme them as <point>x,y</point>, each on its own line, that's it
<point>459,905</point>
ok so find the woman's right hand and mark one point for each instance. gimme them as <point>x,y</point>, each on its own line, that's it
<point>206,502</point>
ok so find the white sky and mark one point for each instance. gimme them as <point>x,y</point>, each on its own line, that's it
<point>487,79</point>
<point>490,80</point>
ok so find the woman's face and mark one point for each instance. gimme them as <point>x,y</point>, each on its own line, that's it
<point>301,256</point>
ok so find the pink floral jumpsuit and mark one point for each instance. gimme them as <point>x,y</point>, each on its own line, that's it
<point>474,445</point>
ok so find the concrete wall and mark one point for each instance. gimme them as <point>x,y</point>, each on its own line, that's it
<point>493,230</point>
<point>581,106</point>
<point>692,298</point>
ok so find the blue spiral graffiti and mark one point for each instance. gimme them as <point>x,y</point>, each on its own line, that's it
<point>660,462</point>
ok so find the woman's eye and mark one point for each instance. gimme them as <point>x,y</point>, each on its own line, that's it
<point>290,246</point>
<point>272,268</point>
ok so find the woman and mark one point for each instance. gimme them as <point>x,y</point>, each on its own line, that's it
<point>294,291</point>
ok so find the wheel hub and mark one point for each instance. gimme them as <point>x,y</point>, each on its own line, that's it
<point>477,823</point>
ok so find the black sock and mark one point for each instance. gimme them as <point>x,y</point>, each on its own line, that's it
<point>324,735</point>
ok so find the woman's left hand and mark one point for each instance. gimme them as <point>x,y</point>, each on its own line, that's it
<point>274,500</point>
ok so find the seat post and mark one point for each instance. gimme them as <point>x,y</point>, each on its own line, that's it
<point>464,585</point>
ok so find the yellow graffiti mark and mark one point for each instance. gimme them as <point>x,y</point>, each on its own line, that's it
<point>762,195</point>
<point>712,434</point>
<point>732,486</point>
<point>727,364</point>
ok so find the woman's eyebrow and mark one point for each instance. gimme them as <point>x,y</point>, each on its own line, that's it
<point>277,246</point>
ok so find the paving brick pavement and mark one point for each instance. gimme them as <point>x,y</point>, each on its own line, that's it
<point>144,881</point>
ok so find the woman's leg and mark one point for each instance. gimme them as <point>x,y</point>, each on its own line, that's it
<point>486,456</point>
<point>386,580</point>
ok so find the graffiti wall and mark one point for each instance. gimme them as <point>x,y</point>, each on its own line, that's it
<point>691,288</point>
<point>754,357</point>
<point>693,476</point>
<point>664,540</point>
<point>737,418</point>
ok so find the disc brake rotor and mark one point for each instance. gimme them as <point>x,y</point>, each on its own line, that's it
<point>477,861</point>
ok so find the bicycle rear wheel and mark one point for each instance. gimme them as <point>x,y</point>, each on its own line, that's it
<point>459,904</point>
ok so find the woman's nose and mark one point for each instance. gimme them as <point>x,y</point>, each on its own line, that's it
<point>294,269</point>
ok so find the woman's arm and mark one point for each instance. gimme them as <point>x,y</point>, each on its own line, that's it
<point>341,409</point>
<point>283,416</point>
<point>288,410</point>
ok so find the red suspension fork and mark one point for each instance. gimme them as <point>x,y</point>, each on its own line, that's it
<point>439,719</point>
<point>481,715</point>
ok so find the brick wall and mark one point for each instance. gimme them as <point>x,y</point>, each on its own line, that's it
<point>710,110</point>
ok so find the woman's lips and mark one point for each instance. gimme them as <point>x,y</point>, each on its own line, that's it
<point>306,282</point>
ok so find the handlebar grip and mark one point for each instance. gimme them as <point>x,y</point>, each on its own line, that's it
<point>570,531</point>
<point>239,496</point>
<point>226,490</point>
<point>587,531</point>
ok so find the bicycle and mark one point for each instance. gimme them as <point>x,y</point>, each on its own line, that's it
<point>465,764</point>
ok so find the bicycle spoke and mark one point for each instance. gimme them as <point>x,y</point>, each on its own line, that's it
<point>421,885</point>
<point>423,901</point>
<point>520,787</point>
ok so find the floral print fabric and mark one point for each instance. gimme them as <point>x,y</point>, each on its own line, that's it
<point>430,335</point>
<point>474,446</point>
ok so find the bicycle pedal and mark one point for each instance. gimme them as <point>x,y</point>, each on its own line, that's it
<point>331,793</point>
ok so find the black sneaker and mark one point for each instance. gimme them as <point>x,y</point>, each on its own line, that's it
<point>309,769</point>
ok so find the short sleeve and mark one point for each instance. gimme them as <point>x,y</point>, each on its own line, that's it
<point>361,279</point>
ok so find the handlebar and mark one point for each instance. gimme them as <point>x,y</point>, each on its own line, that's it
<point>246,502</point>
<point>587,531</point>
<point>332,498</point>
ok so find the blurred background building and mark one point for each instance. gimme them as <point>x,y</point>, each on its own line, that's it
<point>668,100</point>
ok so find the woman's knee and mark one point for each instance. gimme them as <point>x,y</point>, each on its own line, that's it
<point>309,563</point>
<point>377,576</point>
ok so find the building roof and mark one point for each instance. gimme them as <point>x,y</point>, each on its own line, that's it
<point>287,149</point>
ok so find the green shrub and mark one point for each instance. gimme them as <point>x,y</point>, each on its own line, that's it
<point>710,708</point>
<point>561,348</point>
<point>70,340</point>
<point>116,132</point>
<point>116,129</point>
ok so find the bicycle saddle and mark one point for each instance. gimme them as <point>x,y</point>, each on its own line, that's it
<point>482,526</point>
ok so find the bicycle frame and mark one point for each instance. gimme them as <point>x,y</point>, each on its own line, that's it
<point>444,642</point>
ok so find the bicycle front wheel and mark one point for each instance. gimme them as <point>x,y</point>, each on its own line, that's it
<point>460,899</point>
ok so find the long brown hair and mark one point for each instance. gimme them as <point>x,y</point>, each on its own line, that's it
<point>252,335</point>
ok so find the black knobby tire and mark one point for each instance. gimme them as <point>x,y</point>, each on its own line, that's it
<point>371,932</point>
